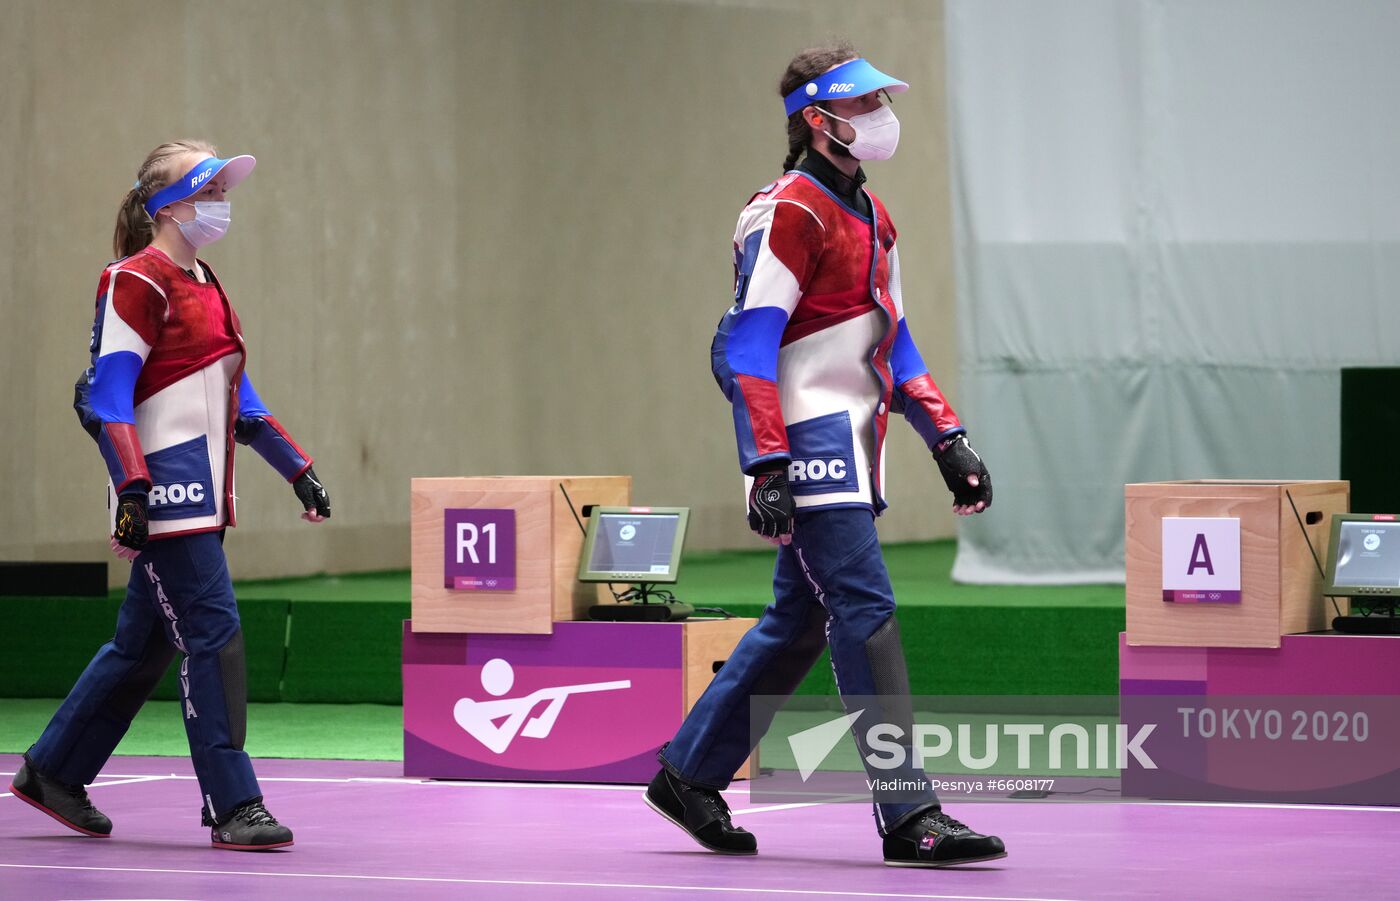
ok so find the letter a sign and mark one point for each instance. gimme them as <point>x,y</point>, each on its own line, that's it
<point>1200,560</point>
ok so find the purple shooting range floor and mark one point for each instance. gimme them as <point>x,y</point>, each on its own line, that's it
<point>364,832</point>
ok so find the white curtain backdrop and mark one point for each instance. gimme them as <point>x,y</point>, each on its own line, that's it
<point>1174,223</point>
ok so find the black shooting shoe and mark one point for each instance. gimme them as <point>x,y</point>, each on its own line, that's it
<point>66,803</point>
<point>701,812</point>
<point>937,840</point>
<point>248,828</point>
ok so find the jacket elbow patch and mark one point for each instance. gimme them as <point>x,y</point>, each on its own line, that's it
<point>752,345</point>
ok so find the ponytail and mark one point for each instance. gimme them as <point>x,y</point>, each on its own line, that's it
<point>804,67</point>
<point>135,227</point>
<point>799,136</point>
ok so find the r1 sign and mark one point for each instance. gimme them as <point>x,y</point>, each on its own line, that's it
<point>1201,560</point>
<point>479,549</point>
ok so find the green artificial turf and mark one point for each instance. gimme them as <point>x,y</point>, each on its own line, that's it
<point>333,639</point>
<point>378,586</point>
<point>958,639</point>
<point>921,573</point>
<point>337,639</point>
<point>338,731</point>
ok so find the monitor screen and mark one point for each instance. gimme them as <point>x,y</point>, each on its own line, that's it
<point>1368,554</point>
<point>1364,557</point>
<point>636,544</point>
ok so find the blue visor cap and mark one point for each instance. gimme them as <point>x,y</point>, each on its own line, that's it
<point>850,79</point>
<point>234,169</point>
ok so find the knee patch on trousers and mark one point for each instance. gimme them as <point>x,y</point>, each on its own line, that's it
<point>885,653</point>
<point>797,658</point>
<point>136,687</point>
<point>234,674</point>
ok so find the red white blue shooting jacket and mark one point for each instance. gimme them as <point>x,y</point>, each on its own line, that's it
<point>815,352</point>
<point>167,392</point>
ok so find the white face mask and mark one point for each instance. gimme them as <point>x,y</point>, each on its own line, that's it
<point>210,222</point>
<point>877,134</point>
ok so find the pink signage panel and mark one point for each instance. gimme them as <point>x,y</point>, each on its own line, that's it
<point>1315,720</point>
<point>589,702</point>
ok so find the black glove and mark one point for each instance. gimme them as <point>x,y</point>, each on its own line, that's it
<point>133,526</point>
<point>770,504</point>
<point>312,493</point>
<point>957,460</point>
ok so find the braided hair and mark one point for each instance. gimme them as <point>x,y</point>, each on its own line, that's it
<point>135,229</point>
<point>804,67</point>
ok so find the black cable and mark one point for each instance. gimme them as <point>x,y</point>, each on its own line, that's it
<point>643,592</point>
<point>1316,562</point>
<point>720,611</point>
<point>582,528</point>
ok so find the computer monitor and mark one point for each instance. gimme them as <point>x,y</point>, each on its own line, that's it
<point>640,545</point>
<point>1363,560</point>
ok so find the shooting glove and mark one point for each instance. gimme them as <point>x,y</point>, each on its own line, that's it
<point>957,460</point>
<point>312,493</point>
<point>770,505</point>
<point>133,526</point>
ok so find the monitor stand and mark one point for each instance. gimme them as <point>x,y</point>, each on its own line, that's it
<point>642,604</point>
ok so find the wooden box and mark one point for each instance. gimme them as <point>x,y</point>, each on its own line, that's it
<point>547,544</point>
<point>1280,586</point>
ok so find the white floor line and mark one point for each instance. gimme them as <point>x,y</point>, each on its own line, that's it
<point>410,780</point>
<point>743,790</point>
<point>122,781</point>
<point>766,809</point>
<point>1267,805</point>
<point>414,780</point>
<point>830,893</point>
<point>125,779</point>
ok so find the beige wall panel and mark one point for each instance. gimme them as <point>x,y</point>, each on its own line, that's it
<point>482,238</point>
<point>17,298</point>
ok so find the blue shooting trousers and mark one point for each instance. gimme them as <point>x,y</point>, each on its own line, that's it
<point>179,599</point>
<point>830,589</point>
